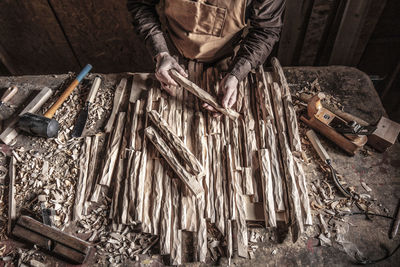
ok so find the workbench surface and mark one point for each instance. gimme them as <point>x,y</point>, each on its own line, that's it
<point>381,171</point>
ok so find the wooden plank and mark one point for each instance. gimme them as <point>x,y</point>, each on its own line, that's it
<point>295,18</point>
<point>203,95</point>
<point>12,207</point>
<point>113,151</point>
<point>82,179</point>
<point>349,31</point>
<point>54,234</point>
<point>169,156</point>
<point>95,36</point>
<point>118,98</point>
<point>40,46</point>
<point>42,242</point>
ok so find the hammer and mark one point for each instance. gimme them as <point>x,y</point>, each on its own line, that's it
<point>46,126</point>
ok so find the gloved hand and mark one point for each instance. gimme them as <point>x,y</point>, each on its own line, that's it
<point>229,86</point>
<point>166,62</point>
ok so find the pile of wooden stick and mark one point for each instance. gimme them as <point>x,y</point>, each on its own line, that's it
<point>173,167</point>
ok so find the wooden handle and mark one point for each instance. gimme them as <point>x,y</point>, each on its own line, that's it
<point>317,145</point>
<point>203,95</point>
<point>50,113</point>
<point>93,91</point>
<point>9,93</point>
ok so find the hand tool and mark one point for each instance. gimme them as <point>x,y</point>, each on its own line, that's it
<point>83,115</point>
<point>8,94</point>
<point>329,124</point>
<point>396,222</point>
<point>203,95</point>
<point>45,126</point>
<point>326,158</point>
<point>64,245</point>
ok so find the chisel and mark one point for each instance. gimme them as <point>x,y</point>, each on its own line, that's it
<point>83,115</point>
<point>326,158</point>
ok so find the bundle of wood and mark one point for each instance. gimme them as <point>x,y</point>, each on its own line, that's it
<point>172,167</point>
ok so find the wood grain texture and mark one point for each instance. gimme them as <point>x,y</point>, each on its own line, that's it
<point>101,32</point>
<point>133,177</point>
<point>191,161</point>
<point>203,95</point>
<point>39,37</point>
<point>12,207</point>
<point>157,195</point>
<point>82,180</point>
<point>303,191</point>
<point>166,216</point>
<point>118,98</point>
<point>113,151</point>
<point>140,185</point>
<point>169,156</point>
<point>93,164</point>
<point>268,194</point>
<point>176,236</point>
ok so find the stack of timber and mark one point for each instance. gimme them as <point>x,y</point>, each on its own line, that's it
<point>177,170</point>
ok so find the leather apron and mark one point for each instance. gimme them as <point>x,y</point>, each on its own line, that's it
<point>205,30</point>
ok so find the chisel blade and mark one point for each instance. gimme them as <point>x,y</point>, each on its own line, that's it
<point>81,121</point>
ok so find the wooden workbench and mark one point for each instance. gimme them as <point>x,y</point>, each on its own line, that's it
<point>381,172</point>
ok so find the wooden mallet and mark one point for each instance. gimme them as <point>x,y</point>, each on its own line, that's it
<point>46,126</point>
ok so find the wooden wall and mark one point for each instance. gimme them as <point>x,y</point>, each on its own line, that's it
<point>50,36</point>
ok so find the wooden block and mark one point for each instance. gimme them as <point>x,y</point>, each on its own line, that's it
<point>54,234</point>
<point>385,134</point>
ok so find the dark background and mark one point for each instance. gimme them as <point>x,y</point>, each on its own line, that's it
<point>51,37</point>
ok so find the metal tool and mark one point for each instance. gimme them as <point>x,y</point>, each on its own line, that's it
<point>45,126</point>
<point>326,158</point>
<point>8,94</point>
<point>83,115</point>
<point>328,123</point>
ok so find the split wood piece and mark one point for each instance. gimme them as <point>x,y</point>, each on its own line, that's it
<point>82,180</point>
<point>203,95</point>
<point>8,95</point>
<point>287,158</point>
<point>115,212</point>
<point>276,172</point>
<point>134,125</point>
<point>303,192</point>
<point>219,193</point>
<point>236,144</point>
<point>10,133</point>
<point>176,233</point>
<point>264,96</point>
<point>96,193</point>
<point>118,98</point>
<point>124,207</point>
<point>113,151</point>
<point>93,164</point>
<point>12,207</point>
<point>140,185</point>
<point>202,238</point>
<point>133,182</point>
<point>166,219</point>
<point>210,208</point>
<point>149,103</point>
<point>268,195</point>
<point>66,246</point>
<point>157,195</point>
<point>254,210</point>
<point>229,240</point>
<point>190,159</point>
<point>174,163</point>
<point>147,190</point>
<point>290,113</point>
<point>201,147</point>
<point>241,227</point>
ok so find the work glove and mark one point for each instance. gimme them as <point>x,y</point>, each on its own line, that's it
<point>229,86</point>
<point>165,62</point>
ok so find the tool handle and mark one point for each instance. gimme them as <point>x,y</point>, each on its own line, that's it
<point>316,143</point>
<point>8,94</point>
<point>50,113</point>
<point>93,91</point>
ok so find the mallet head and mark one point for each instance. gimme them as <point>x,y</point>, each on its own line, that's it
<point>38,125</point>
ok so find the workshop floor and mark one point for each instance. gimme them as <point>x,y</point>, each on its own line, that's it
<point>381,172</point>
